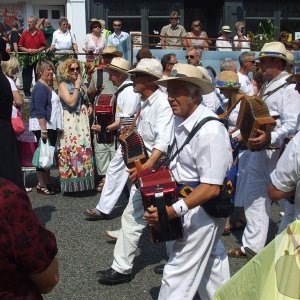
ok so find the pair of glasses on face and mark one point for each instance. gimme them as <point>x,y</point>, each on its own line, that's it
<point>136,75</point>
<point>197,25</point>
<point>74,69</point>
<point>174,18</point>
<point>97,26</point>
<point>190,56</point>
<point>64,24</point>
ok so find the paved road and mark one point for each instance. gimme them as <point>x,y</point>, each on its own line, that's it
<point>83,249</point>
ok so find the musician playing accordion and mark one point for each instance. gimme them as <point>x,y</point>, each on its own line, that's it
<point>155,125</point>
<point>198,260</point>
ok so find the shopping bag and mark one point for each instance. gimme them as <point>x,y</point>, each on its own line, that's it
<point>36,156</point>
<point>17,123</point>
<point>46,154</point>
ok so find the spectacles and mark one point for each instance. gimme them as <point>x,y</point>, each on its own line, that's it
<point>189,56</point>
<point>96,26</point>
<point>197,25</point>
<point>74,69</point>
<point>117,25</point>
<point>174,18</point>
<point>64,24</point>
<point>173,63</point>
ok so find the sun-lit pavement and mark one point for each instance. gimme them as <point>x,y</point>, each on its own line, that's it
<point>83,248</point>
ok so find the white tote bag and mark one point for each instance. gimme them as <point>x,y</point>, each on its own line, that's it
<point>46,155</point>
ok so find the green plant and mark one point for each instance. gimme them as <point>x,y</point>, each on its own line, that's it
<point>265,34</point>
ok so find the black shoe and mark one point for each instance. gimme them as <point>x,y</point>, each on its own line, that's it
<point>92,215</point>
<point>112,277</point>
<point>159,269</point>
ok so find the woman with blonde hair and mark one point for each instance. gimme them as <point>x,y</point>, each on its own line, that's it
<point>45,118</point>
<point>195,34</point>
<point>75,150</point>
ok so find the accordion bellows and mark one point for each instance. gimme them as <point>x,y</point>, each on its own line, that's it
<point>254,114</point>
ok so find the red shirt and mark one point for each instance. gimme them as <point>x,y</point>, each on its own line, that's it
<point>25,245</point>
<point>35,41</point>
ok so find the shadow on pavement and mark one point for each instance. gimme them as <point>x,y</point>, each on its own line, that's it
<point>44,213</point>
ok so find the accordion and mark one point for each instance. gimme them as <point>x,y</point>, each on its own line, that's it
<point>254,114</point>
<point>104,116</point>
<point>133,148</point>
<point>158,189</point>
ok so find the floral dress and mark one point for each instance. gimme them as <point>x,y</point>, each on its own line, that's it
<point>75,157</point>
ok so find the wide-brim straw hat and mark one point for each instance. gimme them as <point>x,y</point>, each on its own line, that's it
<point>149,66</point>
<point>227,80</point>
<point>273,49</point>
<point>226,28</point>
<point>5,55</point>
<point>190,74</point>
<point>119,64</point>
<point>111,50</point>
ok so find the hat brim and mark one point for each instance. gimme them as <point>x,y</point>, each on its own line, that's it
<point>5,56</point>
<point>115,53</point>
<point>137,70</point>
<point>204,84</point>
<point>265,55</point>
<point>115,68</point>
<point>228,31</point>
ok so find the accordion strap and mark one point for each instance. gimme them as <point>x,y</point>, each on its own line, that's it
<point>190,136</point>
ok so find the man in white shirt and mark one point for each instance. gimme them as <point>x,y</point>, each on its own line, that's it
<point>240,41</point>
<point>223,42</point>
<point>119,38</point>
<point>197,261</point>
<point>247,63</point>
<point>155,125</point>
<point>127,105</point>
<point>284,105</point>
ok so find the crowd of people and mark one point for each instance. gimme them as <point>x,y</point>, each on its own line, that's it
<point>163,101</point>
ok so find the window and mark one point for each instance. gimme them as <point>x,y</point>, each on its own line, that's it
<point>43,13</point>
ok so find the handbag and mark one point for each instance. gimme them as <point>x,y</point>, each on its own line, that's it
<point>17,123</point>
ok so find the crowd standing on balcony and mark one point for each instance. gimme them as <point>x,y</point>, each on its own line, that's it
<point>164,100</point>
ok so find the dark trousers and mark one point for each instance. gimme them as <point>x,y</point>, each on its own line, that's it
<point>27,77</point>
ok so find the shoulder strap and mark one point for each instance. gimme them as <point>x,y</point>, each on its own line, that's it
<point>191,135</point>
<point>123,87</point>
<point>268,94</point>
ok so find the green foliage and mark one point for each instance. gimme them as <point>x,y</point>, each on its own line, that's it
<point>265,34</point>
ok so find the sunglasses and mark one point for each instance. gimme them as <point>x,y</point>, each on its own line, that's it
<point>174,63</point>
<point>74,69</point>
<point>96,26</point>
<point>197,25</point>
<point>137,75</point>
<point>189,56</point>
<point>64,24</point>
<point>174,18</point>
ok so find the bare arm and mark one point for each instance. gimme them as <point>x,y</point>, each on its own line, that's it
<point>63,92</point>
<point>18,99</point>
<point>275,194</point>
<point>48,279</point>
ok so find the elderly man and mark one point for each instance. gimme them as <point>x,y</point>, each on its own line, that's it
<point>100,87</point>
<point>172,30</point>
<point>167,62</point>
<point>285,178</point>
<point>193,56</point>
<point>32,41</point>
<point>127,104</point>
<point>223,42</point>
<point>284,105</point>
<point>155,126</point>
<point>197,261</point>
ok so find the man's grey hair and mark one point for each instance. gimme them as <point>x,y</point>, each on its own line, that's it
<point>34,19</point>
<point>198,50</point>
<point>228,64</point>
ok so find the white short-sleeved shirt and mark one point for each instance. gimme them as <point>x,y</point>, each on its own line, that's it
<point>224,44</point>
<point>285,105</point>
<point>63,40</point>
<point>208,155</point>
<point>286,176</point>
<point>128,102</point>
<point>156,122</point>
<point>245,45</point>
<point>246,85</point>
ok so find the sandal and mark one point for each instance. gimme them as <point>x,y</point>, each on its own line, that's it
<point>94,215</point>
<point>236,252</point>
<point>44,190</point>
<point>100,185</point>
<point>238,225</point>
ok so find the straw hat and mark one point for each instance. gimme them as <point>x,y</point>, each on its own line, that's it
<point>119,64</point>
<point>291,58</point>
<point>273,49</point>
<point>149,66</point>
<point>226,28</point>
<point>227,80</point>
<point>111,50</point>
<point>5,55</point>
<point>191,74</point>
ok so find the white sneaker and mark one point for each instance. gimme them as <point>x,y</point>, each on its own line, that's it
<point>112,234</point>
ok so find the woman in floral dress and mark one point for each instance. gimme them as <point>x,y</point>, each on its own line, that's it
<point>75,150</point>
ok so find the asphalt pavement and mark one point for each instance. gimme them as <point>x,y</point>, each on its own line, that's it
<point>83,248</point>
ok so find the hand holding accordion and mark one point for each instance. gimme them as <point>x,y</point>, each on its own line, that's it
<point>255,123</point>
